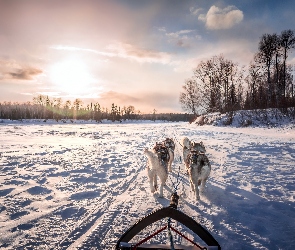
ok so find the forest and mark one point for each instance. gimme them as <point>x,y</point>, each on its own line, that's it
<point>43,107</point>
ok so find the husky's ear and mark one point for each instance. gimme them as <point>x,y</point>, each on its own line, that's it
<point>202,144</point>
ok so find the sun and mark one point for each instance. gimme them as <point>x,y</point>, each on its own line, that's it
<point>71,77</point>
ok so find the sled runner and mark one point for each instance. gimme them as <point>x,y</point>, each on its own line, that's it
<point>172,213</point>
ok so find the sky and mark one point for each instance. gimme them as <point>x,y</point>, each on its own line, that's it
<point>125,52</point>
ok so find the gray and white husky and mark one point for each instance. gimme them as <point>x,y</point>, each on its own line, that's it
<point>199,169</point>
<point>188,147</point>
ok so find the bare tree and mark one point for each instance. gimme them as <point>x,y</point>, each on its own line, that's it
<point>189,98</point>
<point>77,104</point>
<point>268,47</point>
<point>254,80</point>
<point>216,81</point>
<point>287,42</point>
<point>208,85</point>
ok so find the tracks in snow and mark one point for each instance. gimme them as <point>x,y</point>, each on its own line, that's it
<point>92,228</point>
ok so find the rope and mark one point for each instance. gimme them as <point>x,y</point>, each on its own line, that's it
<point>174,135</point>
<point>180,144</point>
<point>180,153</point>
<point>170,234</point>
<point>175,185</point>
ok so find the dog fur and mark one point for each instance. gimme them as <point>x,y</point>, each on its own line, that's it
<point>199,171</point>
<point>170,145</point>
<point>186,145</point>
<point>155,168</point>
<point>199,147</point>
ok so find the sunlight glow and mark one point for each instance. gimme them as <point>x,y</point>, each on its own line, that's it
<point>71,76</point>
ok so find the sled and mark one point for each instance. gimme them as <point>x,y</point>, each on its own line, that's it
<point>169,212</point>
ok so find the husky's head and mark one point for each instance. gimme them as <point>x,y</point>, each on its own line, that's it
<point>198,146</point>
<point>186,143</point>
<point>169,143</point>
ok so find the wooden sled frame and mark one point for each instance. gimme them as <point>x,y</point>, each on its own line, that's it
<point>173,213</point>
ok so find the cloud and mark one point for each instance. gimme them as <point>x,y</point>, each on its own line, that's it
<point>179,33</point>
<point>25,74</point>
<point>125,50</point>
<point>181,38</point>
<point>217,18</point>
<point>13,70</point>
<point>128,51</point>
<point>162,29</point>
<point>72,48</point>
<point>195,11</point>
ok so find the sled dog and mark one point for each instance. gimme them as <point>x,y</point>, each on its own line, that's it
<point>157,166</point>
<point>199,169</point>
<point>186,145</point>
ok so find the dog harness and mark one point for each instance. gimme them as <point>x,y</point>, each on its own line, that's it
<point>193,157</point>
<point>162,152</point>
<point>170,144</point>
<point>195,160</point>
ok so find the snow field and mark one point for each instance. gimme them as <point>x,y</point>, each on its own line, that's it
<point>80,186</point>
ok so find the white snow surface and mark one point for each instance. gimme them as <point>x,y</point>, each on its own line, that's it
<point>81,186</point>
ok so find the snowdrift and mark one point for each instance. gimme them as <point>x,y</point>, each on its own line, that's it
<point>246,118</point>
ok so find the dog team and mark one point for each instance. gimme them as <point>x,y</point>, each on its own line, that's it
<point>161,157</point>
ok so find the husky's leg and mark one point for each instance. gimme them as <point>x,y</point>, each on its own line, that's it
<point>192,185</point>
<point>187,168</point>
<point>171,158</point>
<point>163,181</point>
<point>203,183</point>
<point>169,165</point>
<point>197,191</point>
<point>161,190</point>
<point>155,182</point>
<point>151,180</point>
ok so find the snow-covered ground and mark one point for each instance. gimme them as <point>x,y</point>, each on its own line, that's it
<point>80,186</point>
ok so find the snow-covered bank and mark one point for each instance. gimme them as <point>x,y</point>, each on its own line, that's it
<point>249,118</point>
<point>78,186</point>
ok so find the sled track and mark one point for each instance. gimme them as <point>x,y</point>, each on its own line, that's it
<point>106,234</point>
<point>98,220</point>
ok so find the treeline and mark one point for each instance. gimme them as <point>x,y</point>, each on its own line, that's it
<point>221,85</point>
<point>43,107</point>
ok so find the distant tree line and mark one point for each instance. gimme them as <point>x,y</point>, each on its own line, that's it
<point>43,107</point>
<point>221,85</point>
